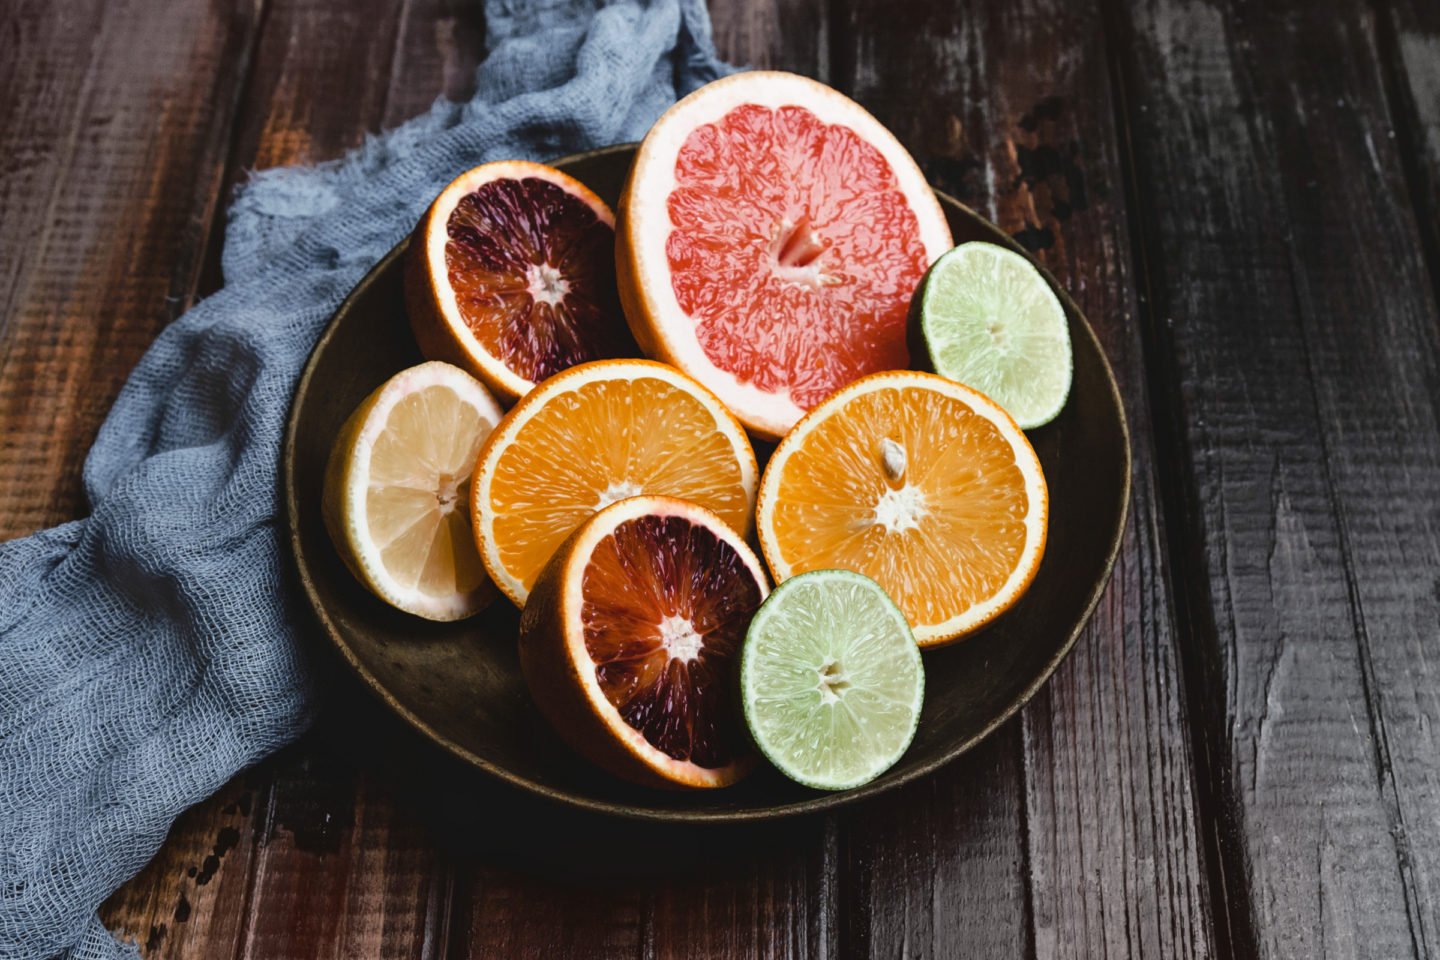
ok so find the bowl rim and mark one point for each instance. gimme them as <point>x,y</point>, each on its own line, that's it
<point>818,803</point>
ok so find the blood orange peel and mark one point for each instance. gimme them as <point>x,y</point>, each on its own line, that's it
<point>510,276</point>
<point>770,237</point>
<point>630,639</point>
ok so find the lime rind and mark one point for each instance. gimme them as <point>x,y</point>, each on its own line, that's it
<point>989,320</point>
<point>831,679</point>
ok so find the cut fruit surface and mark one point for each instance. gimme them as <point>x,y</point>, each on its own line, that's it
<point>598,433</point>
<point>397,491</point>
<point>831,680</point>
<point>985,317</point>
<point>924,485</point>
<point>630,637</point>
<point>770,239</point>
<point>511,275</point>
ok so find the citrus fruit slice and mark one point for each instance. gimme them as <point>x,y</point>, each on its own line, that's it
<point>511,275</point>
<point>397,491</point>
<point>769,241</point>
<point>630,637</point>
<point>918,482</point>
<point>985,317</point>
<point>831,680</point>
<point>597,433</point>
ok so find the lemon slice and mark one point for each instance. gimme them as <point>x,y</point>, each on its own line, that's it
<point>397,491</point>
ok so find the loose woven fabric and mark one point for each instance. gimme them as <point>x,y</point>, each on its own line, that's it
<point>150,651</point>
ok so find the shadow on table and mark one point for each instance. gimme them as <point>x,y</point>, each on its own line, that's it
<point>471,815</point>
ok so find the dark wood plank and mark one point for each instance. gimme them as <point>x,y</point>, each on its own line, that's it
<point>113,130</point>
<point>191,899</point>
<point>1294,359</point>
<point>767,892</point>
<point>937,870</point>
<point>441,42</point>
<point>1408,38</point>
<point>325,859</point>
<point>1090,843</point>
<point>343,868</point>
<point>789,35</point>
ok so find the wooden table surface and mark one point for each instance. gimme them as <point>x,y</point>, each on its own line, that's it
<point>1242,755</point>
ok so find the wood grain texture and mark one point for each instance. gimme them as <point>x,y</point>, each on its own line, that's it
<point>937,869</point>
<point>1408,43</point>
<point>789,35</point>
<point>1103,837</point>
<point>324,862</point>
<point>113,131</point>
<point>1293,362</point>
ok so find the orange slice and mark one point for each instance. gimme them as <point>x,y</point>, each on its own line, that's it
<point>511,276</point>
<point>631,637</point>
<point>595,434</point>
<point>769,241</point>
<point>921,484</point>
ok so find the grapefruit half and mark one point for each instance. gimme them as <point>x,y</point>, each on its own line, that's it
<point>769,240</point>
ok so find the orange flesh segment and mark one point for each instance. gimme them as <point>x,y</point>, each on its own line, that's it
<point>793,250</point>
<point>949,534</point>
<point>533,271</point>
<point>603,441</point>
<point>665,607</point>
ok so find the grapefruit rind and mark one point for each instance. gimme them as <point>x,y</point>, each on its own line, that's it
<point>482,514</point>
<point>659,324</point>
<point>562,677</point>
<point>973,618</point>
<point>435,316</point>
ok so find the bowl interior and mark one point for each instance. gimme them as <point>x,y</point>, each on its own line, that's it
<point>460,685</point>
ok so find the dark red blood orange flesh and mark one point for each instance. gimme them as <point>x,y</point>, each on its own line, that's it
<point>665,608</point>
<point>532,267</point>
<point>794,250</point>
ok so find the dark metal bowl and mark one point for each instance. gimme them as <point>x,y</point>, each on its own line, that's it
<point>459,684</point>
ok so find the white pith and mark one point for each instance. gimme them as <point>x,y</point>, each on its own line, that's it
<point>901,510</point>
<point>1029,465</point>
<point>572,601</point>
<point>437,235</point>
<point>545,284</point>
<point>653,180</point>
<point>680,639</point>
<point>356,485</point>
<point>568,381</point>
<point>617,491</point>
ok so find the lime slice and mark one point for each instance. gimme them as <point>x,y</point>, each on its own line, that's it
<point>831,679</point>
<point>989,320</point>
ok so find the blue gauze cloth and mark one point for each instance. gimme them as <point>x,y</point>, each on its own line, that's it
<point>150,651</point>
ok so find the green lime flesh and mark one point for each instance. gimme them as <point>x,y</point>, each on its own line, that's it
<point>831,679</point>
<point>989,320</point>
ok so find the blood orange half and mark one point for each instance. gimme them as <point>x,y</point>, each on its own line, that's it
<point>769,241</point>
<point>630,640</point>
<point>511,276</point>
